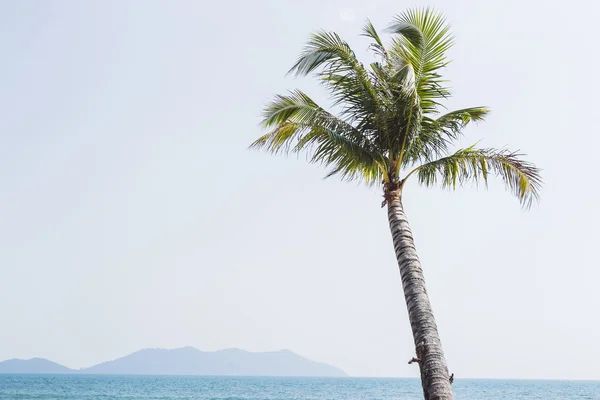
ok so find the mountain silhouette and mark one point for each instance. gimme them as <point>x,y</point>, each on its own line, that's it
<point>34,365</point>
<point>189,361</point>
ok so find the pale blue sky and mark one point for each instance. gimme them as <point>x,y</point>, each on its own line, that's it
<point>132,215</point>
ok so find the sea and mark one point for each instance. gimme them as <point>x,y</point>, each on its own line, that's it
<point>134,387</point>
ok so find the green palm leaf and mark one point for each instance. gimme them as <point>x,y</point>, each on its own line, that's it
<point>299,124</point>
<point>343,75</point>
<point>377,45</point>
<point>423,37</point>
<point>329,49</point>
<point>474,165</point>
<point>436,136</point>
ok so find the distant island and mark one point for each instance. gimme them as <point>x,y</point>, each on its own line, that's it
<point>187,361</point>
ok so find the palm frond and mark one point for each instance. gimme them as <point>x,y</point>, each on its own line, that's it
<point>298,107</point>
<point>344,76</point>
<point>436,135</point>
<point>522,178</point>
<point>281,139</point>
<point>453,122</point>
<point>408,26</point>
<point>347,158</point>
<point>299,124</point>
<point>377,45</point>
<point>422,40</point>
<point>329,50</point>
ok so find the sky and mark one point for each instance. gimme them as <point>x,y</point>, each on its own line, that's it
<point>132,214</point>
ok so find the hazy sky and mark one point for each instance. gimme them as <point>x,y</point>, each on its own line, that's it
<point>132,214</point>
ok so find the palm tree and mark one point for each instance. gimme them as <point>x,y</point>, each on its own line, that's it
<point>389,128</point>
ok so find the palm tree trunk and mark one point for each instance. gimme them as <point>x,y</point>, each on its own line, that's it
<point>430,357</point>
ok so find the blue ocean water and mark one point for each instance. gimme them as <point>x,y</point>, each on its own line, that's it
<point>109,387</point>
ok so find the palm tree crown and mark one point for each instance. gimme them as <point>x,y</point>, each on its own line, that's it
<point>389,126</point>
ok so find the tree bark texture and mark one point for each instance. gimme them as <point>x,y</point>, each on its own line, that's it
<point>435,377</point>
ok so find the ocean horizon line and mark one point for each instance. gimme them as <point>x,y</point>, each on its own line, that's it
<point>82,372</point>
